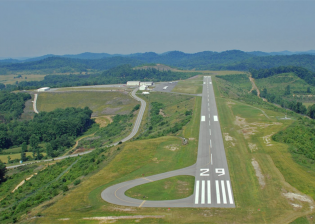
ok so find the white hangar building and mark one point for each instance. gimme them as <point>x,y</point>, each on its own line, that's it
<point>43,89</point>
<point>133,83</point>
<point>146,83</point>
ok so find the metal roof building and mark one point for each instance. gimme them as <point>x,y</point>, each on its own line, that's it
<point>43,89</point>
<point>133,83</point>
<point>146,83</point>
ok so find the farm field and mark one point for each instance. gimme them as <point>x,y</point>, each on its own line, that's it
<point>9,79</point>
<point>101,103</point>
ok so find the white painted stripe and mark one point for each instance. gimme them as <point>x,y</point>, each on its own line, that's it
<point>210,144</point>
<point>223,192</point>
<point>210,131</point>
<point>203,118</point>
<point>208,104</point>
<point>208,192</point>
<point>204,82</point>
<point>197,192</point>
<point>210,82</point>
<point>211,159</point>
<point>203,192</point>
<point>209,122</point>
<point>215,118</point>
<point>229,192</point>
<point>218,191</point>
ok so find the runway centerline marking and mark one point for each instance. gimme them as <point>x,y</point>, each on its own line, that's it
<point>211,159</point>
<point>147,179</point>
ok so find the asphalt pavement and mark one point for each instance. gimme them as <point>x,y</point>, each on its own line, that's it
<point>212,179</point>
<point>165,86</point>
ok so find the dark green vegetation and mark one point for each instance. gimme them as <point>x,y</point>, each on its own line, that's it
<point>167,117</point>
<point>50,181</point>
<point>57,129</point>
<point>301,136</point>
<point>302,73</point>
<point>167,189</point>
<point>12,105</point>
<point>120,74</point>
<point>2,171</point>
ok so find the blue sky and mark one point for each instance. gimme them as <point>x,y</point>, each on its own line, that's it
<point>34,28</point>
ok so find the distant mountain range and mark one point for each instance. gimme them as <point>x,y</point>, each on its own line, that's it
<point>206,60</point>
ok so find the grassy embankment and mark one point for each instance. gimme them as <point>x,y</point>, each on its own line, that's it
<point>192,86</point>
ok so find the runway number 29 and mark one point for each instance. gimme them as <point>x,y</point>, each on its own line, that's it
<point>220,171</point>
<point>204,172</point>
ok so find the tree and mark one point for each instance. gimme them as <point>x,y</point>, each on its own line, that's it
<point>308,90</point>
<point>49,149</point>
<point>34,140</point>
<point>24,149</point>
<point>9,158</point>
<point>287,90</point>
<point>3,170</point>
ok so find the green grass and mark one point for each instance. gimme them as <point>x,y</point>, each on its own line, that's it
<point>4,158</point>
<point>167,189</point>
<point>101,103</point>
<point>192,86</point>
<point>9,79</point>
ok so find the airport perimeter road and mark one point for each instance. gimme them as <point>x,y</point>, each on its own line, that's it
<point>212,180</point>
<point>130,136</point>
<point>165,86</point>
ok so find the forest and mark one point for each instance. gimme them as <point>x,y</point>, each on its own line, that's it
<point>57,129</point>
<point>12,105</point>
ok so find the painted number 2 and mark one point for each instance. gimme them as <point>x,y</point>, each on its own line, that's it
<point>204,172</point>
<point>220,171</point>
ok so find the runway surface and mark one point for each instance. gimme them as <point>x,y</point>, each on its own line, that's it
<point>212,179</point>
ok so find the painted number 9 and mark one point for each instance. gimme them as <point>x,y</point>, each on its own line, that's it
<point>220,171</point>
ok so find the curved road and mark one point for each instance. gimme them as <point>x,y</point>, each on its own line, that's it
<point>130,136</point>
<point>212,179</point>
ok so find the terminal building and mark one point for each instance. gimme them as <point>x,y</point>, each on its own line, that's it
<point>133,83</point>
<point>146,83</point>
<point>43,89</point>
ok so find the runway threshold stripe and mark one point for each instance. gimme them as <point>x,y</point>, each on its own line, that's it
<point>197,192</point>
<point>208,192</point>
<point>203,192</point>
<point>229,191</point>
<point>217,191</point>
<point>223,192</point>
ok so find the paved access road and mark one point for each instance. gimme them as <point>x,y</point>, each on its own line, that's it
<point>212,180</point>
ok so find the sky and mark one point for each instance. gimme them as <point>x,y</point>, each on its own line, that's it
<point>35,28</point>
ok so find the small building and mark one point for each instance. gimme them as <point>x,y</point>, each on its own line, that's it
<point>133,83</point>
<point>145,93</point>
<point>43,89</point>
<point>146,83</point>
<point>143,87</point>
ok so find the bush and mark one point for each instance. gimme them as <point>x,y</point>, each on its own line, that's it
<point>76,182</point>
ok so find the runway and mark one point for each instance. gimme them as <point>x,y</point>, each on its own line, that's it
<point>213,186</point>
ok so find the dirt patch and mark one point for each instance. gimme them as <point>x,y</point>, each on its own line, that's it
<point>64,219</point>
<point>267,139</point>
<point>123,209</point>
<point>103,121</point>
<point>162,113</point>
<point>125,217</point>
<point>260,176</point>
<point>229,103</point>
<point>173,147</point>
<point>22,182</point>
<point>190,139</point>
<point>252,80</point>
<point>298,198</point>
<point>253,147</point>
<point>228,138</point>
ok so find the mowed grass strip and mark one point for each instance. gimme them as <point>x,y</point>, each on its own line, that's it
<point>101,103</point>
<point>192,86</point>
<point>167,189</point>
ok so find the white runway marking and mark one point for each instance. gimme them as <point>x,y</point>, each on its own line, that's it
<point>223,192</point>
<point>210,82</point>
<point>215,118</point>
<point>208,192</point>
<point>229,192</point>
<point>211,159</point>
<point>218,191</point>
<point>210,131</point>
<point>197,192</point>
<point>204,82</point>
<point>209,115</point>
<point>203,192</point>
<point>203,118</point>
<point>210,144</point>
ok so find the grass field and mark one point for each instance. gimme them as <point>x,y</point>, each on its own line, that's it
<point>167,189</point>
<point>4,158</point>
<point>193,86</point>
<point>101,103</point>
